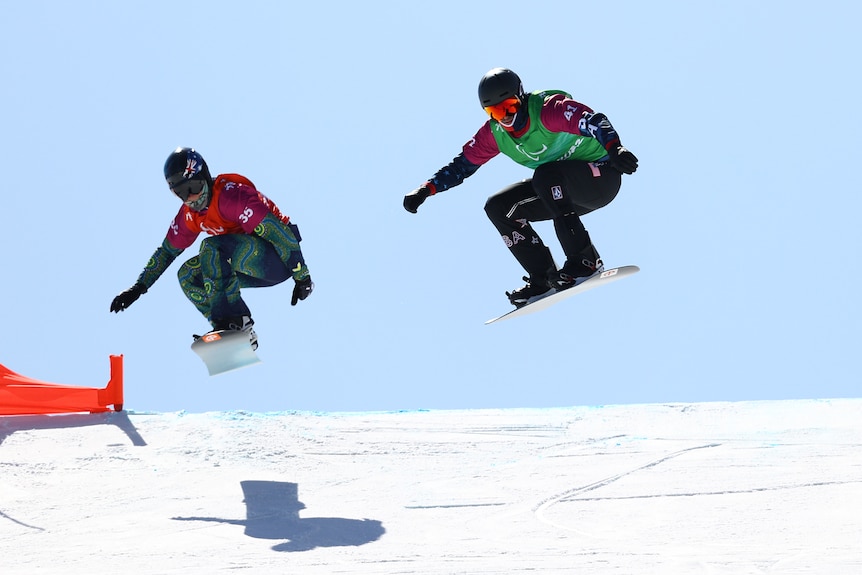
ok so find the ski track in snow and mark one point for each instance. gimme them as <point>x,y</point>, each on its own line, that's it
<point>571,493</point>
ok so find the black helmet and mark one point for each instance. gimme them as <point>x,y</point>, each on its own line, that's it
<point>186,172</point>
<point>498,85</point>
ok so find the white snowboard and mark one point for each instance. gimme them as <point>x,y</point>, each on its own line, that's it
<point>603,278</point>
<point>225,351</point>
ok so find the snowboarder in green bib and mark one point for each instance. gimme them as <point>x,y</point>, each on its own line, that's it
<point>577,161</point>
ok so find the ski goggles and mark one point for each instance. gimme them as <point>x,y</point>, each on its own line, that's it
<point>187,188</point>
<point>507,107</point>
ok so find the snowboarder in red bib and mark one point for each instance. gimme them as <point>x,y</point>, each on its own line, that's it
<point>251,244</point>
<point>578,162</point>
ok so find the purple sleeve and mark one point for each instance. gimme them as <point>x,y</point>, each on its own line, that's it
<point>179,234</point>
<point>482,147</point>
<point>562,114</point>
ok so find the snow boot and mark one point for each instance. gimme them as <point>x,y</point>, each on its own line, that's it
<point>241,323</point>
<point>578,270</point>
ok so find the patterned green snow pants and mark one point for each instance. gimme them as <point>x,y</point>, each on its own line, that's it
<point>212,279</point>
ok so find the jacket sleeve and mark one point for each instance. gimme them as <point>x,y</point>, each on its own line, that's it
<point>562,114</point>
<point>285,238</point>
<point>459,169</point>
<point>161,259</point>
<point>481,148</point>
<point>599,127</point>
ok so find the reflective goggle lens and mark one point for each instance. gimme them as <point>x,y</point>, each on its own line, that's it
<point>504,108</point>
<point>187,188</point>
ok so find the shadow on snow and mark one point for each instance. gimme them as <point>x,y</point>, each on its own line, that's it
<point>12,423</point>
<point>272,512</point>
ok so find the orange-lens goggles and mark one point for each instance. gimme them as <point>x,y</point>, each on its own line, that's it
<point>503,109</point>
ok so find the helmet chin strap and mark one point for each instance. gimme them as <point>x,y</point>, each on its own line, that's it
<point>519,118</point>
<point>518,122</point>
<point>511,124</point>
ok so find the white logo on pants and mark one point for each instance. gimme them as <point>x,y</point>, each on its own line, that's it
<point>516,237</point>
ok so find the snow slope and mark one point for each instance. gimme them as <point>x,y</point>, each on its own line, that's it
<point>755,487</point>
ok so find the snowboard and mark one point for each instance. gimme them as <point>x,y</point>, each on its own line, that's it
<point>604,278</point>
<point>225,350</point>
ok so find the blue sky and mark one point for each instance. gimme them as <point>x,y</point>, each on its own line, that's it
<point>743,215</point>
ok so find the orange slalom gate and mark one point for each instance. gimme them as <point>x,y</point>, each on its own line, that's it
<point>21,395</point>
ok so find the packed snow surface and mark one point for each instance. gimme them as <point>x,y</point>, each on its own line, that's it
<point>752,487</point>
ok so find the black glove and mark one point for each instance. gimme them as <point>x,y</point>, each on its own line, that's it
<point>127,298</point>
<point>414,199</point>
<point>622,160</point>
<point>302,290</point>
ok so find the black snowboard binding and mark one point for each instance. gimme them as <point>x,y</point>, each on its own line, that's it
<point>537,288</point>
<point>242,323</point>
<point>577,270</point>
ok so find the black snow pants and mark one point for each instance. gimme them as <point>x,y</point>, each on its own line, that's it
<point>559,191</point>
